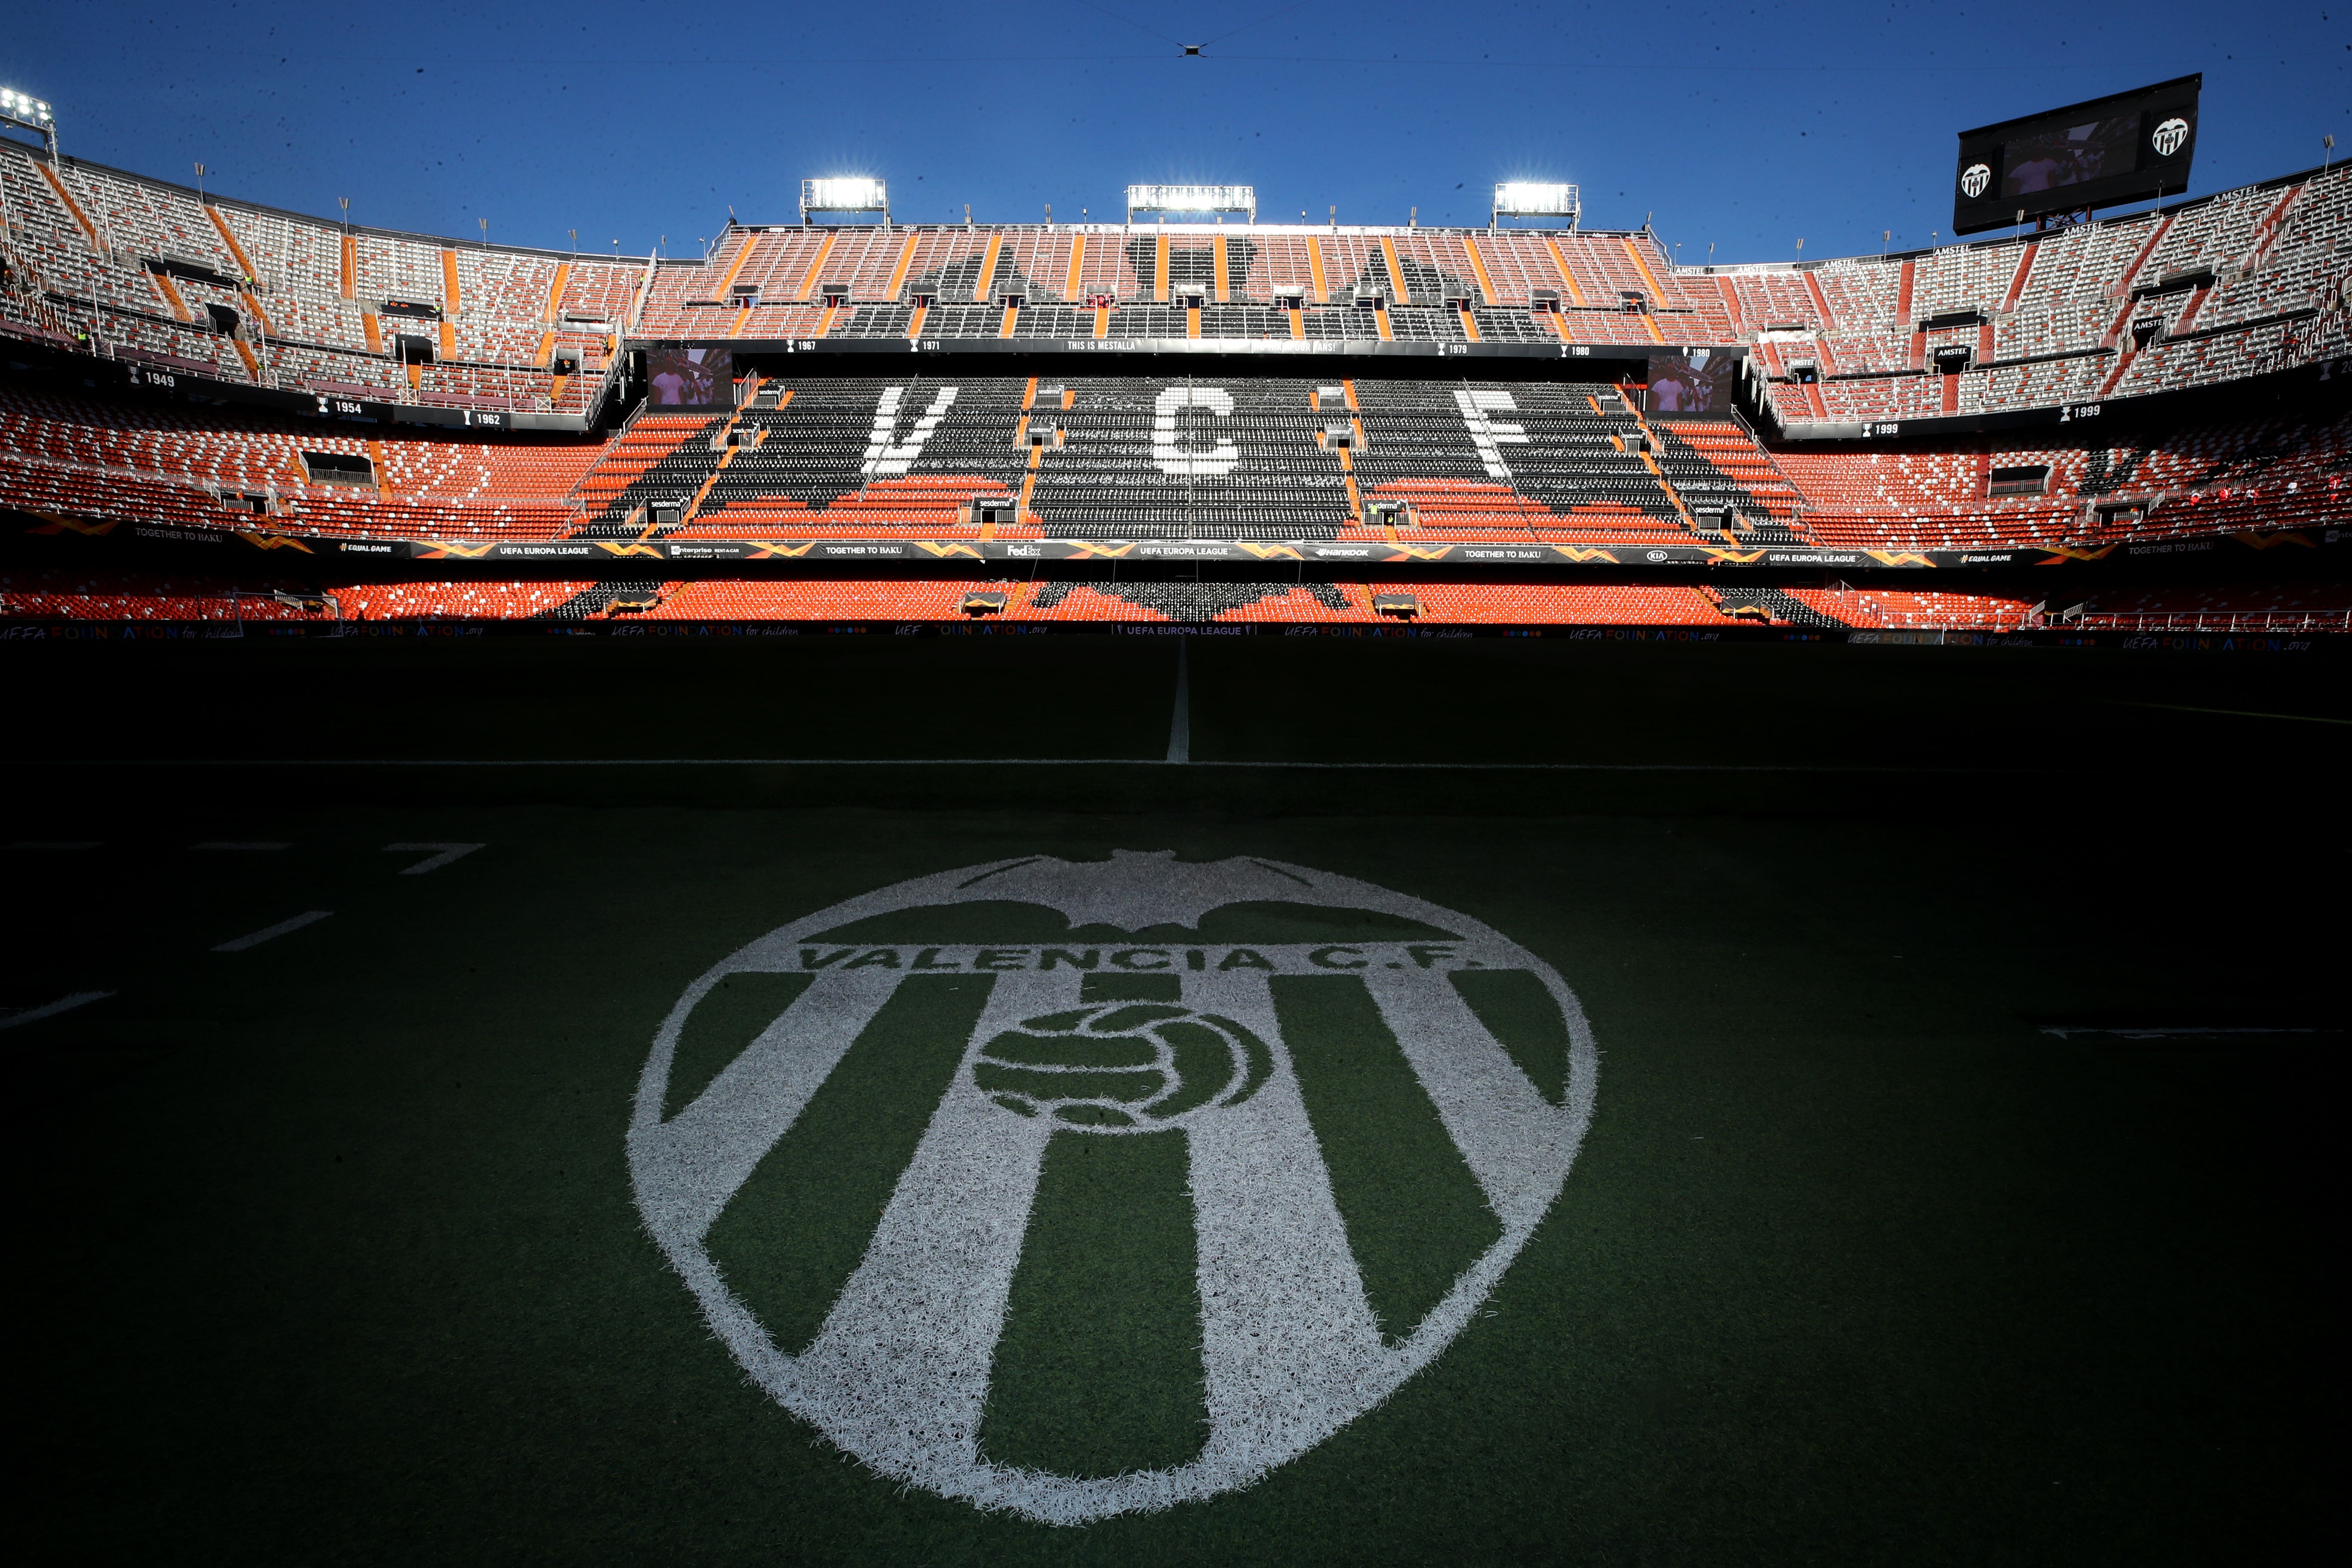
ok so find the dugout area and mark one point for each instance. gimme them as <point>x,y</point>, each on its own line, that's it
<point>1896,1236</point>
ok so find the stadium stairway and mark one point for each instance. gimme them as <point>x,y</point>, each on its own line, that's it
<point>599,601</point>
<point>659,457</point>
<point>1576,451</point>
<point>1772,606</point>
<point>1199,603</point>
<point>868,456</point>
<point>1160,457</point>
<point>1720,468</point>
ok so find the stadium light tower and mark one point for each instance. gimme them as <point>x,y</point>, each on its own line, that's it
<point>844,195</point>
<point>1191,199</point>
<point>22,109</point>
<point>1526,198</point>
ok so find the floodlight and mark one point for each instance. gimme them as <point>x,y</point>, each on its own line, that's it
<point>25,110</point>
<point>1191,199</point>
<point>843,194</point>
<point>1527,198</point>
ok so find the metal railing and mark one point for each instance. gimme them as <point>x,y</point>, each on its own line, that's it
<point>2209,621</point>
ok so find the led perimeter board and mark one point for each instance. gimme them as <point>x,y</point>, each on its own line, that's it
<point>2117,149</point>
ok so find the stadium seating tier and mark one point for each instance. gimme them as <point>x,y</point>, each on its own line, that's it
<point>1127,459</point>
<point>2203,294</point>
<point>55,594</point>
<point>2225,286</point>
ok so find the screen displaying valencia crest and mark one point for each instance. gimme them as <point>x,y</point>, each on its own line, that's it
<point>2124,148</point>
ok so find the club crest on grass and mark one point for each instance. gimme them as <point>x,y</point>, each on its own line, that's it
<point>1079,1188</point>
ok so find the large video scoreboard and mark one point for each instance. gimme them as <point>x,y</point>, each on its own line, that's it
<point>2123,148</point>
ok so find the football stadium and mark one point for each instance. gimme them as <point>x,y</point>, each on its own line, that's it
<point>1197,886</point>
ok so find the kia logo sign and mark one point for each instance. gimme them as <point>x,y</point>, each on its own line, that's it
<point>2170,137</point>
<point>1976,179</point>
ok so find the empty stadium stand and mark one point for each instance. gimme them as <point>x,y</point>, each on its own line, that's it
<point>138,269</point>
<point>1167,457</point>
<point>148,598</point>
<point>2271,473</point>
<point>128,267</point>
<point>156,461</point>
<point>183,364</point>
<point>1170,458</point>
<point>145,599</point>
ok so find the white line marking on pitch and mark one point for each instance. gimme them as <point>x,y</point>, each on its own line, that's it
<point>267,932</point>
<point>444,854</point>
<point>2244,713</point>
<point>2068,1034</point>
<point>1025,762</point>
<point>62,1003</point>
<point>231,844</point>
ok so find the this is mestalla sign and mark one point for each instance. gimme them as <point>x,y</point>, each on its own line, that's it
<point>2122,148</point>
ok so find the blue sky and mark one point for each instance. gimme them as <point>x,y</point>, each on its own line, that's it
<point>1747,126</point>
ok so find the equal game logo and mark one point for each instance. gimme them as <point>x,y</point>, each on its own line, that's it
<point>1323,1116</point>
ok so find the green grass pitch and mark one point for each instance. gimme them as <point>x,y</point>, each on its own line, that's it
<point>333,1252</point>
